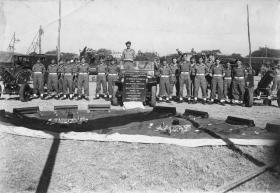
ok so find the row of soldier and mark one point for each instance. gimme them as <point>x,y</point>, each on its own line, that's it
<point>186,72</point>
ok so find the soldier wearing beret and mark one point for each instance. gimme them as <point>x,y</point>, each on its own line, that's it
<point>68,80</point>
<point>101,78</point>
<point>53,79</point>
<point>276,82</point>
<point>164,84</point>
<point>113,74</point>
<point>38,79</point>
<point>173,78</point>
<point>185,70</point>
<point>238,83</point>
<point>83,79</point>
<point>128,56</point>
<point>228,83</point>
<point>201,70</point>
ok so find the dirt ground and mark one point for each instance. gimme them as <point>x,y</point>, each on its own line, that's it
<point>27,164</point>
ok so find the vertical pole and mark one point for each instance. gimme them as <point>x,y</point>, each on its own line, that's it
<point>59,28</point>
<point>249,38</point>
<point>40,34</point>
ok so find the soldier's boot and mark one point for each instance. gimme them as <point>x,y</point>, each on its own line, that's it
<point>160,99</point>
<point>211,101</point>
<point>97,96</point>
<point>204,101</point>
<point>86,98</point>
<point>222,102</point>
<point>42,96</point>
<point>180,99</point>
<point>64,97</point>
<point>71,96</point>
<point>167,100</point>
<point>195,100</point>
<point>189,100</point>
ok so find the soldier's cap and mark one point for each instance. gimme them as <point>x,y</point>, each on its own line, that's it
<point>128,42</point>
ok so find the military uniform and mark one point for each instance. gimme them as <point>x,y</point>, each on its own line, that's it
<point>238,83</point>
<point>60,78</point>
<point>227,84</point>
<point>68,79</point>
<point>200,71</point>
<point>164,84</point>
<point>173,77</point>
<point>192,77</point>
<point>53,78</point>
<point>209,65</point>
<point>185,70</point>
<point>38,78</point>
<point>113,75</point>
<point>101,79</point>
<point>83,79</point>
<point>276,83</point>
<point>217,72</point>
<point>128,56</point>
<point>75,77</point>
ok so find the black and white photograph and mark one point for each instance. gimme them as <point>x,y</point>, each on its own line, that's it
<point>139,96</point>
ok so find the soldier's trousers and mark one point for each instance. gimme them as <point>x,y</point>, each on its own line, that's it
<point>111,83</point>
<point>238,89</point>
<point>192,77</point>
<point>68,84</point>
<point>83,82</point>
<point>53,83</point>
<point>173,82</point>
<point>200,81</point>
<point>60,84</point>
<point>217,82</point>
<point>75,84</point>
<point>101,80</point>
<point>185,80</point>
<point>227,88</point>
<point>38,83</point>
<point>164,86</point>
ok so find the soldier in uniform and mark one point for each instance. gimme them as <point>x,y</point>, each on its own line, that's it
<point>217,73</point>
<point>156,70</point>
<point>185,70</point>
<point>227,82</point>
<point>76,64</point>
<point>276,82</point>
<point>60,78</point>
<point>192,75</point>
<point>38,79</point>
<point>113,74</point>
<point>238,83</point>
<point>200,71</point>
<point>101,78</point>
<point>83,79</point>
<point>53,79</point>
<point>173,78</point>
<point>164,84</point>
<point>128,56</point>
<point>210,61</point>
<point>68,80</point>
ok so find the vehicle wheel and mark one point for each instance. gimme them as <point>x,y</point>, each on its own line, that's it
<point>249,98</point>
<point>278,97</point>
<point>23,76</point>
<point>267,102</point>
<point>114,97</point>
<point>24,92</point>
<point>153,96</point>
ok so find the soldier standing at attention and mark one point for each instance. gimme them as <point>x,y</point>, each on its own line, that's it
<point>156,70</point>
<point>101,78</point>
<point>38,79</point>
<point>174,72</point>
<point>210,61</point>
<point>217,74</point>
<point>185,70</point>
<point>227,82</point>
<point>68,80</point>
<point>53,79</point>
<point>113,75</point>
<point>164,84</point>
<point>200,71</point>
<point>128,56</point>
<point>238,83</point>
<point>60,78</point>
<point>276,82</point>
<point>192,75</point>
<point>83,79</point>
<point>75,64</point>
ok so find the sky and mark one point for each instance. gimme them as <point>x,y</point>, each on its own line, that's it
<point>151,25</point>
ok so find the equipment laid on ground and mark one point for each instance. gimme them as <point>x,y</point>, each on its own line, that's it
<point>136,85</point>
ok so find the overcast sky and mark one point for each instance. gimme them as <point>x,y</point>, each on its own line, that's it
<point>151,25</point>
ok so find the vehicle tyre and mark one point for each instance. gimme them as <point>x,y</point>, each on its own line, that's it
<point>267,102</point>
<point>249,97</point>
<point>24,92</point>
<point>23,76</point>
<point>114,96</point>
<point>153,96</point>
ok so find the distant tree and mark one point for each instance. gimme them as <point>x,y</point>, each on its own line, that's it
<point>149,56</point>
<point>64,55</point>
<point>266,52</point>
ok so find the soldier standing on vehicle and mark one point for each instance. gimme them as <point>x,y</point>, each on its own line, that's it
<point>101,78</point>
<point>38,79</point>
<point>113,75</point>
<point>201,70</point>
<point>185,70</point>
<point>238,83</point>
<point>68,80</point>
<point>174,72</point>
<point>53,79</point>
<point>217,74</point>
<point>164,84</point>
<point>128,56</point>
<point>228,82</point>
<point>276,82</point>
<point>83,79</point>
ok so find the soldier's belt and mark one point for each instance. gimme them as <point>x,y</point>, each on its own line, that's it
<point>37,72</point>
<point>217,75</point>
<point>165,76</point>
<point>83,73</point>
<point>241,77</point>
<point>200,74</point>
<point>112,74</point>
<point>67,74</point>
<point>53,73</point>
<point>184,72</point>
<point>101,73</point>
<point>228,78</point>
<point>172,74</point>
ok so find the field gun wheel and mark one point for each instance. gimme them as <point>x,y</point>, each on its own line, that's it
<point>153,96</point>
<point>24,92</point>
<point>23,76</point>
